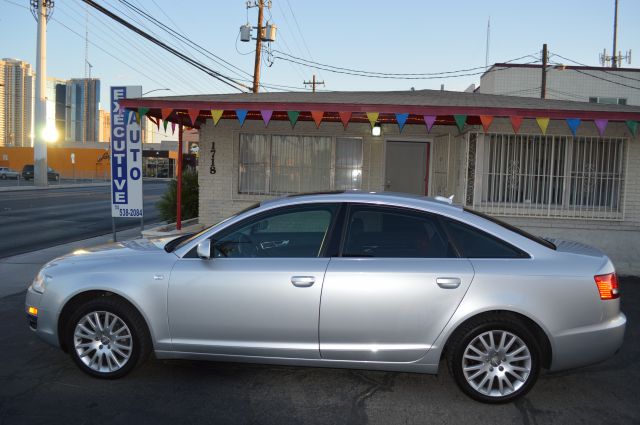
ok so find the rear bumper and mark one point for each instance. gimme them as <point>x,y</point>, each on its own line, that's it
<point>588,345</point>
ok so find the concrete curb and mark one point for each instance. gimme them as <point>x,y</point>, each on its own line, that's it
<point>57,186</point>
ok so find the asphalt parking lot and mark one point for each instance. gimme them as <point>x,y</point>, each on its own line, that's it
<point>40,385</point>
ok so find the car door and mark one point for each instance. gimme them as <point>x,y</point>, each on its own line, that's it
<point>259,293</point>
<point>395,285</point>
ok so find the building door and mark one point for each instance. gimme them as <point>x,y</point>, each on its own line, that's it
<point>407,167</point>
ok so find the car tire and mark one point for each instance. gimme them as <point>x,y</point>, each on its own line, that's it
<point>494,359</point>
<point>107,338</point>
<point>3,176</point>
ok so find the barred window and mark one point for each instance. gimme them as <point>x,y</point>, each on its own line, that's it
<point>533,175</point>
<point>281,164</point>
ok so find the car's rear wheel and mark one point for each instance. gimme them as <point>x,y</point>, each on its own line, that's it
<point>495,359</point>
<point>3,176</point>
<point>107,338</point>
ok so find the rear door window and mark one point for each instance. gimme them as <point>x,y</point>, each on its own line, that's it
<point>389,232</point>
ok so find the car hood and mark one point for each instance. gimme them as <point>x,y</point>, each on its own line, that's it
<point>130,248</point>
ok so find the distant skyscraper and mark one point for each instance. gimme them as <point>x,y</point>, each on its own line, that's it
<point>61,110</point>
<point>16,104</point>
<point>82,116</point>
<point>52,104</point>
<point>105,126</point>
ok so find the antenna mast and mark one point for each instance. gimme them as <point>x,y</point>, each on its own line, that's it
<point>486,59</point>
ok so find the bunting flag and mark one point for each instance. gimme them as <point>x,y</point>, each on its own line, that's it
<point>573,124</point>
<point>601,125</point>
<point>173,128</point>
<point>216,114</point>
<point>543,123</point>
<point>157,123</point>
<point>164,124</point>
<point>193,114</point>
<point>143,111</point>
<point>633,127</point>
<point>317,117</point>
<point>486,121</point>
<point>460,121</point>
<point>293,117</point>
<point>373,117</point>
<point>516,122</point>
<point>166,112</point>
<point>345,117</point>
<point>266,116</point>
<point>429,120</point>
<point>242,115</point>
<point>401,119</point>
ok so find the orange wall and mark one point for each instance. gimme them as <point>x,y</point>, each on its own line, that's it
<point>86,160</point>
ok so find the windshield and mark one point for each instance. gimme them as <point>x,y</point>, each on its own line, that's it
<point>514,229</point>
<point>186,240</point>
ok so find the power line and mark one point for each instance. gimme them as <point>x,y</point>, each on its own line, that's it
<point>221,77</point>
<point>603,70</point>
<point>604,79</point>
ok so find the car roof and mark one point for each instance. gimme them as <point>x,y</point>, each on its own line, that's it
<point>387,198</point>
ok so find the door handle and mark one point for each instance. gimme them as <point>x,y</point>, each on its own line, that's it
<point>303,281</point>
<point>448,282</point>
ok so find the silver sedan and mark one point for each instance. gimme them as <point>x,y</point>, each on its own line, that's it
<point>356,280</point>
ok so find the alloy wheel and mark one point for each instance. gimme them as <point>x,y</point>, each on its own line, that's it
<point>496,363</point>
<point>103,341</point>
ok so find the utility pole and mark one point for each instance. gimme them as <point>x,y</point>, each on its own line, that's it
<point>313,83</point>
<point>545,59</point>
<point>614,59</point>
<point>256,68</point>
<point>41,10</point>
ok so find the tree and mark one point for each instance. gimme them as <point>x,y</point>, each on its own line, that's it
<point>167,206</point>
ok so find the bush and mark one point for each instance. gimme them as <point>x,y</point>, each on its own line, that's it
<point>168,204</point>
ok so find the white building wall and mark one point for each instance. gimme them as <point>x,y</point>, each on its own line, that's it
<point>219,195</point>
<point>567,84</point>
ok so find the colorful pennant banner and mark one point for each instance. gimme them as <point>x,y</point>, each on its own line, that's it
<point>317,117</point>
<point>543,123</point>
<point>216,114</point>
<point>293,117</point>
<point>401,119</point>
<point>266,116</point>
<point>573,124</point>
<point>633,127</point>
<point>166,112</point>
<point>486,121</point>
<point>173,127</point>
<point>373,117</point>
<point>460,121</point>
<point>516,122</point>
<point>429,120</point>
<point>601,125</point>
<point>242,115</point>
<point>345,117</point>
<point>157,123</point>
<point>164,124</point>
<point>193,115</point>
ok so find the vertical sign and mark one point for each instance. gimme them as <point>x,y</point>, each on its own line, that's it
<point>126,156</point>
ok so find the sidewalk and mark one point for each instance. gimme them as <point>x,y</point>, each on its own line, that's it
<point>17,272</point>
<point>51,186</point>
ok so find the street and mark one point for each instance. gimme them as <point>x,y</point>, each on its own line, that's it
<point>36,219</point>
<point>40,384</point>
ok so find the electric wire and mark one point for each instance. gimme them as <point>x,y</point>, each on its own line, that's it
<point>603,70</point>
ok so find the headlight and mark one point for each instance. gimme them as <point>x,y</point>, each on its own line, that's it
<point>40,282</point>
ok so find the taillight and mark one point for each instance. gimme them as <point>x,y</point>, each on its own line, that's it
<point>607,286</point>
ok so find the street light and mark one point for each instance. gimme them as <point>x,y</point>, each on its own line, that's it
<point>151,91</point>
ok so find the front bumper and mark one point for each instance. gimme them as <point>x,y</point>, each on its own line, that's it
<point>588,345</point>
<point>46,321</point>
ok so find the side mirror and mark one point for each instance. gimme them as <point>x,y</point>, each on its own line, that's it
<point>204,249</point>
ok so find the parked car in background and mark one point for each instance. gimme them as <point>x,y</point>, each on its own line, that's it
<point>8,173</point>
<point>356,280</point>
<point>27,173</point>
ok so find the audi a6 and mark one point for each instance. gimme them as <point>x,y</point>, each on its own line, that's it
<point>352,280</point>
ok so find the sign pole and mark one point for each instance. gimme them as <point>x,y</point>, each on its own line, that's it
<point>113,227</point>
<point>179,188</point>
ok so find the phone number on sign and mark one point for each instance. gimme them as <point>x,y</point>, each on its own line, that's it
<point>130,212</point>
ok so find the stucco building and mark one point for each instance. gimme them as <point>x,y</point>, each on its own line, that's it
<point>556,168</point>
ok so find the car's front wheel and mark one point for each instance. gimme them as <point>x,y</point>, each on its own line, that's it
<point>494,359</point>
<point>107,338</point>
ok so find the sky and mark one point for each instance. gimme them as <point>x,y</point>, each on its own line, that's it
<point>404,36</point>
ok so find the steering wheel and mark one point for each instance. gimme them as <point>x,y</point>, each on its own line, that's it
<point>246,247</point>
